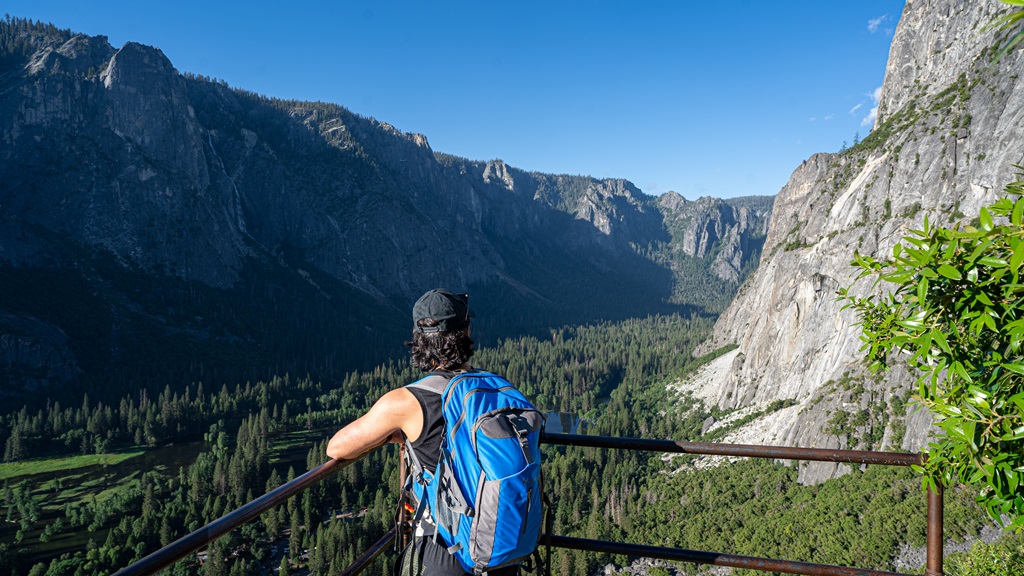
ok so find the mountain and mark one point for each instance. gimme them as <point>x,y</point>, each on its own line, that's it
<point>948,134</point>
<point>158,228</point>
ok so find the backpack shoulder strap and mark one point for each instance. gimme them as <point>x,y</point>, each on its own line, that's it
<point>435,382</point>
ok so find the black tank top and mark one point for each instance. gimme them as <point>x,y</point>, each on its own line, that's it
<point>428,445</point>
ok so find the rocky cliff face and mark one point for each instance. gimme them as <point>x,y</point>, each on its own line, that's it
<point>275,233</point>
<point>948,133</point>
<point>35,354</point>
<point>722,232</point>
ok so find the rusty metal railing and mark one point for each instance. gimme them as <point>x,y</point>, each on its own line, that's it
<point>184,546</point>
<point>189,543</point>
<point>934,561</point>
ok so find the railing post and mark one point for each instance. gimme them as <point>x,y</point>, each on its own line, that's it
<point>403,514</point>
<point>934,566</point>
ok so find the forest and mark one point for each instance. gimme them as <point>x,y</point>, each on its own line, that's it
<point>252,437</point>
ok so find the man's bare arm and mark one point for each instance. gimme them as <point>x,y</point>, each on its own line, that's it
<point>396,411</point>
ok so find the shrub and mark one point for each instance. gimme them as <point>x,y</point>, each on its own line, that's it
<point>956,317</point>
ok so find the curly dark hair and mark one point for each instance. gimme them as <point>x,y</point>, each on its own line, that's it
<point>439,350</point>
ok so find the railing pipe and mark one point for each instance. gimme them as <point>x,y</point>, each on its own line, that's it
<point>189,543</point>
<point>752,451</point>
<point>714,558</point>
<point>371,554</point>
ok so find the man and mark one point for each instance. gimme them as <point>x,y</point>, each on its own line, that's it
<point>440,342</point>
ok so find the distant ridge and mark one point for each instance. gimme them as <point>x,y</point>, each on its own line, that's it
<point>160,228</point>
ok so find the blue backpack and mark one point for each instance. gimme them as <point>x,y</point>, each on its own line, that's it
<point>484,499</point>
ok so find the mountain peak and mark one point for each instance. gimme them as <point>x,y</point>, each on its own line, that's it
<point>135,64</point>
<point>672,200</point>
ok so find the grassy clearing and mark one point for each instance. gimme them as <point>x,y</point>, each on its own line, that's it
<point>48,465</point>
<point>118,486</point>
<point>295,444</point>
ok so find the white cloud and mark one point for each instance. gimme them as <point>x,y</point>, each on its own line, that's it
<point>875,23</point>
<point>812,119</point>
<point>875,96</point>
<point>869,120</point>
<point>829,117</point>
<point>855,108</point>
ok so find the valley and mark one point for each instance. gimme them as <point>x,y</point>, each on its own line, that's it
<point>756,507</point>
<point>199,284</point>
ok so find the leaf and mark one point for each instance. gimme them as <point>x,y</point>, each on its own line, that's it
<point>986,219</point>
<point>914,321</point>
<point>1018,399</point>
<point>1015,434</point>
<point>951,249</point>
<point>972,275</point>
<point>989,322</point>
<point>958,368</point>
<point>950,272</point>
<point>990,471</point>
<point>898,277</point>
<point>980,249</point>
<point>923,343</point>
<point>969,427</point>
<point>940,338</point>
<point>976,325</point>
<point>1014,367</point>
<point>1018,253</point>
<point>994,262</point>
<point>977,397</point>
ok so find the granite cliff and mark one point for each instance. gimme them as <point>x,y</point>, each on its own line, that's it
<point>158,226</point>
<point>947,136</point>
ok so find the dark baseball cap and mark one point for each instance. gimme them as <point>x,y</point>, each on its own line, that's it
<point>451,311</point>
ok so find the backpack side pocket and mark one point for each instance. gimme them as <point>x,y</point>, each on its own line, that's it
<point>451,504</point>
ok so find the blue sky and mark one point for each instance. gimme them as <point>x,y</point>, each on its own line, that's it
<point>705,98</point>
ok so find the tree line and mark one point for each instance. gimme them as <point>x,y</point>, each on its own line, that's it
<point>336,519</point>
<point>612,375</point>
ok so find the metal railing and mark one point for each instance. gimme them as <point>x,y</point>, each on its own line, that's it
<point>184,546</point>
<point>934,560</point>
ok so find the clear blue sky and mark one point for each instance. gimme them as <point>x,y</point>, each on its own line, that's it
<point>705,98</point>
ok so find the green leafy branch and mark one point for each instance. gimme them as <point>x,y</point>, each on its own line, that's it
<point>1006,22</point>
<point>957,318</point>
